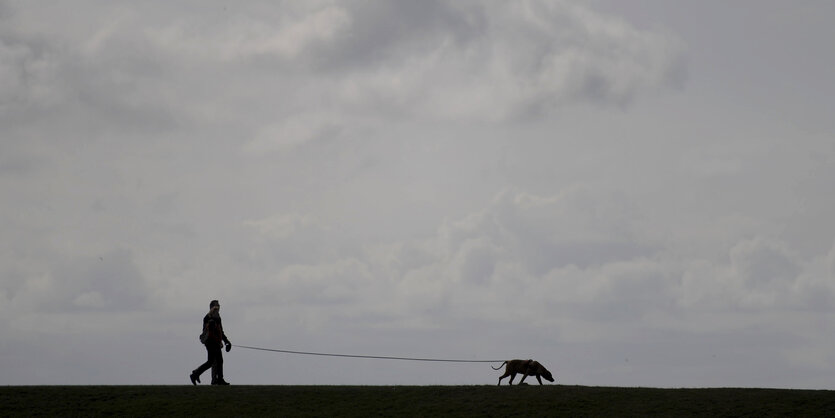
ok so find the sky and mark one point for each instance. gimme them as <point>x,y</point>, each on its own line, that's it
<point>632,193</point>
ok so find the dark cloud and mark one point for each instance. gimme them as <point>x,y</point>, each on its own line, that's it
<point>382,33</point>
<point>26,74</point>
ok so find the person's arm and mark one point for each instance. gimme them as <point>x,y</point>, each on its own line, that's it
<point>225,340</point>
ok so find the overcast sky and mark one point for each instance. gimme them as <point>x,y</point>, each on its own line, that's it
<point>633,193</point>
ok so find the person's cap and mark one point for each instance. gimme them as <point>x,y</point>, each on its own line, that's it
<point>213,303</point>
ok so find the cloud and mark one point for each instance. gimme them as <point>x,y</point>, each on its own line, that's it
<point>294,131</point>
<point>764,264</point>
<point>28,75</point>
<point>448,61</point>
<point>760,274</point>
<point>498,60</point>
<point>111,282</point>
<point>830,262</point>
<point>518,257</point>
<point>574,227</point>
<point>271,79</point>
<point>551,262</point>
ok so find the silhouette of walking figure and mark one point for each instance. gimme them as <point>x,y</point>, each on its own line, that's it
<point>213,338</point>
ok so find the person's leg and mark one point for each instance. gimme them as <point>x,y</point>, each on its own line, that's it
<point>218,368</point>
<point>210,360</point>
<point>214,372</point>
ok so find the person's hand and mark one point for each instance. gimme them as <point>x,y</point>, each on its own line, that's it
<point>228,347</point>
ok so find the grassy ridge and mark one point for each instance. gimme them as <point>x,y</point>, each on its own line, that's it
<point>409,401</point>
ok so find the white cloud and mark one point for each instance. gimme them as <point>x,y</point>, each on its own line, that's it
<point>762,264</point>
<point>471,60</point>
<point>571,256</point>
<point>293,132</point>
<point>281,226</point>
<point>245,33</point>
<point>760,274</point>
<point>111,282</point>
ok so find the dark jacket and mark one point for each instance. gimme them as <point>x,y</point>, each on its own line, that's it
<point>213,329</point>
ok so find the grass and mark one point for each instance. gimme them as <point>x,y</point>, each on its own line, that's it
<point>410,401</point>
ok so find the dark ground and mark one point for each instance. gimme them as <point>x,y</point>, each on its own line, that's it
<point>410,401</point>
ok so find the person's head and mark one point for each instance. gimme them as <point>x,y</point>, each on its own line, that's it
<point>214,305</point>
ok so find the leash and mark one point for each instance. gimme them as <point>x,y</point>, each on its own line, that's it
<point>308,353</point>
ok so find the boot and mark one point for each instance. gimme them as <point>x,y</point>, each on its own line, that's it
<point>217,379</point>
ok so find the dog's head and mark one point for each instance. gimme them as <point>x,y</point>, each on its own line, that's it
<point>546,375</point>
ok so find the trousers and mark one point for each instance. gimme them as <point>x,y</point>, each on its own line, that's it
<point>214,361</point>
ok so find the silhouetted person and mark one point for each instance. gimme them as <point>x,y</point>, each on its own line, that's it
<point>213,338</point>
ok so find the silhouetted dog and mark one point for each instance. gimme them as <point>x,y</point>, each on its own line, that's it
<point>525,368</point>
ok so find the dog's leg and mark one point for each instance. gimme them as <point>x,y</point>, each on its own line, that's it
<point>512,376</point>
<point>539,379</point>
<point>506,374</point>
<point>526,371</point>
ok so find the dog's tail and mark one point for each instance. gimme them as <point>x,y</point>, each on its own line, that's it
<point>500,366</point>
